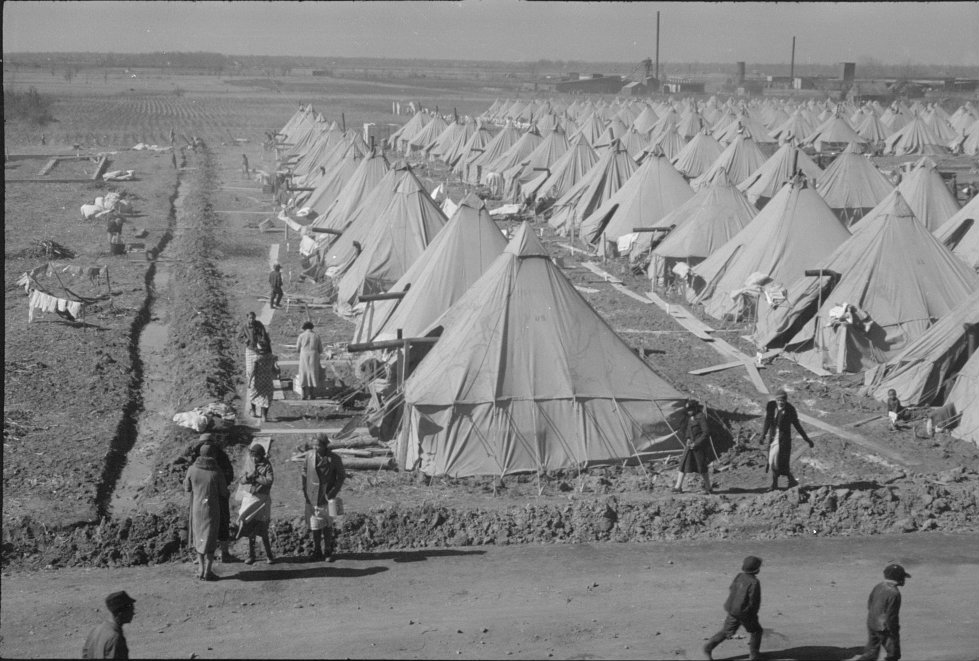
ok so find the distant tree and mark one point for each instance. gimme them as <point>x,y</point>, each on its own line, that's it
<point>69,74</point>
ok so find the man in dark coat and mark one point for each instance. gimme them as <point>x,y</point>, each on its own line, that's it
<point>742,606</point>
<point>696,438</point>
<point>884,616</point>
<point>322,476</point>
<point>275,282</point>
<point>780,417</point>
<point>107,641</point>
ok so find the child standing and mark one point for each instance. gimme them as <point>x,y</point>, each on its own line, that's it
<point>742,606</point>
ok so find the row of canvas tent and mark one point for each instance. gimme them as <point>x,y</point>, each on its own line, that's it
<point>853,174</point>
<point>525,375</point>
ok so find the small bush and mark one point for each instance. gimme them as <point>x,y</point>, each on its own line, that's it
<point>30,105</point>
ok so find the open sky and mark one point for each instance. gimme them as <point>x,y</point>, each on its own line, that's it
<point>827,33</point>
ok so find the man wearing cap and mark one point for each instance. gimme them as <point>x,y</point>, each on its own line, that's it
<point>322,476</point>
<point>883,616</point>
<point>106,641</point>
<point>696,438</point>
<point>742,606</point>
<point>780,417</point>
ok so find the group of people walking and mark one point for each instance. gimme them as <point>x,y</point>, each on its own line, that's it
<point>780,418</point>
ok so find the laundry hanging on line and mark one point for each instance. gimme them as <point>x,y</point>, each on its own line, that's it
<point>39,300</point>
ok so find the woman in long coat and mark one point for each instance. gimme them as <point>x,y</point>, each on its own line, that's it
<point>309,347</point>
<point>780,418</point>
<point>696,437</point>
<point>206,484</point>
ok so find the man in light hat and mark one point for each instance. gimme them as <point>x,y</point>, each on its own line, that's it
<point>742,606</point>
<point>780,417</point>
<point>883,616</point>
<point>322,477</point>
<point>106,641</point>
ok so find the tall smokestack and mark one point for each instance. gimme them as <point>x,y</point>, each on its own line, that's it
<point>792,66</point>
<point>657,47</point>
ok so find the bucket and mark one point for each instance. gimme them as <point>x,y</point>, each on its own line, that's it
<point>335,506</point>
<point>318,520</point>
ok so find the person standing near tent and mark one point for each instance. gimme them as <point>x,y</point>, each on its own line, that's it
<point>742,606</point>
<point>275,283</point>
<point>206,485</point>
<point>259,366</point>
<point>884,616</point>
<point>310,346</point>
<point>256,504</point>
<point>322,476</point>
<point>113,228</point>
<point>780,417</point>
<point>106,641</point>
<point>244,165</point>
<point>696,438</point>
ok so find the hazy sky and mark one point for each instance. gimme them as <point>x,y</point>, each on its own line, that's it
<point>928,33</point>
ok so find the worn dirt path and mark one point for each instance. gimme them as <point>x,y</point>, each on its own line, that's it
<point>572,601</point>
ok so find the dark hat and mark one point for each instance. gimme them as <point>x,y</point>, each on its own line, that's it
<point>895,573</point>
<point>751,564</point>
<point>692,405</point>
<point>323,442</point>
<point>118,600</point>
<point>257,449</point>
<point>781,394</point>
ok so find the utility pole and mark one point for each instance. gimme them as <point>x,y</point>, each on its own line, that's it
<point>792,65</point>
<point>657,47</point>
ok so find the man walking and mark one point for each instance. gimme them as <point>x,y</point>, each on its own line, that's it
<point>883,616</point>
<point>275,282</point>
<point>106,641</point>
<point>742,606</point>
<point>780,417</point>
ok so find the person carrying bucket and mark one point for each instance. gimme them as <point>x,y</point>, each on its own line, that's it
<point>322,477</point>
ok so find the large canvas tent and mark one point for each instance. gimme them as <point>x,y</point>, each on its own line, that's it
<point>451,263</point>
<point>397,237</point>
<point>894,280</point>
<point>964,400</point>
<point>928,196</point>
<point>924,371</point>
<point>852,185</point>
<point>768,179</point>
<point>653,191</point>
<point>794,231</point>
<point>703,224</point>
<point>739,159</point>
<point>960,233</point>
<point>613,169</point>
<point>527,377</point>
<point>563,175</point>
<point>697,155</point>
<point>364,179</point>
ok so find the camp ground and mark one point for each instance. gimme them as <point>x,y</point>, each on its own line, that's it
<point>523,280</point>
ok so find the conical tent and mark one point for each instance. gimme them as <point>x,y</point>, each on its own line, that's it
<point>339,254</point>
<point>646,120</point>
<point>834,130</point>
<point>794,231</point>
<point>960,233</point>
<point>613,169</point>
<point>739,159</point>
<point>915,137</point>
<point>964,399</point>
<point>852,185</point>
<point>773,173</point>
<point>928,196</point>
<point>923,373</point>
<point>513,156</point>
<point>451,263</point>
<point>368,174</point>
<point>703,224</point>
<point>592,128</point>
<point>747,125</point>
<point>396,239</point>
<point>795,129</point>
<point>474,145</point>
<point>426,137</point>
<point>566,172</point>
<point>526,376</point>
<point>697,156</point>
<point>653,191</point>
<point>496,147</point>
<point>330,185</point>
<point>552,147</point>
<point>872,129</point>
<point>399,139</point>
<point>670,143</point>
<point>898,276</point>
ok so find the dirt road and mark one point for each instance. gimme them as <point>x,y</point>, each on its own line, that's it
<point>563,601</point>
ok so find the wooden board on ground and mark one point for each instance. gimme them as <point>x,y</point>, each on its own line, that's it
<point>716,368</point>
<point>599,272</point>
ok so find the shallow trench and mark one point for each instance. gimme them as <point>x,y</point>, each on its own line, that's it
<point>153,414</point>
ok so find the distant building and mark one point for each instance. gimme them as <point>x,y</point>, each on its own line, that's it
<point>636,88</point>
<point>596,84</point>
<point>677,85</point>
